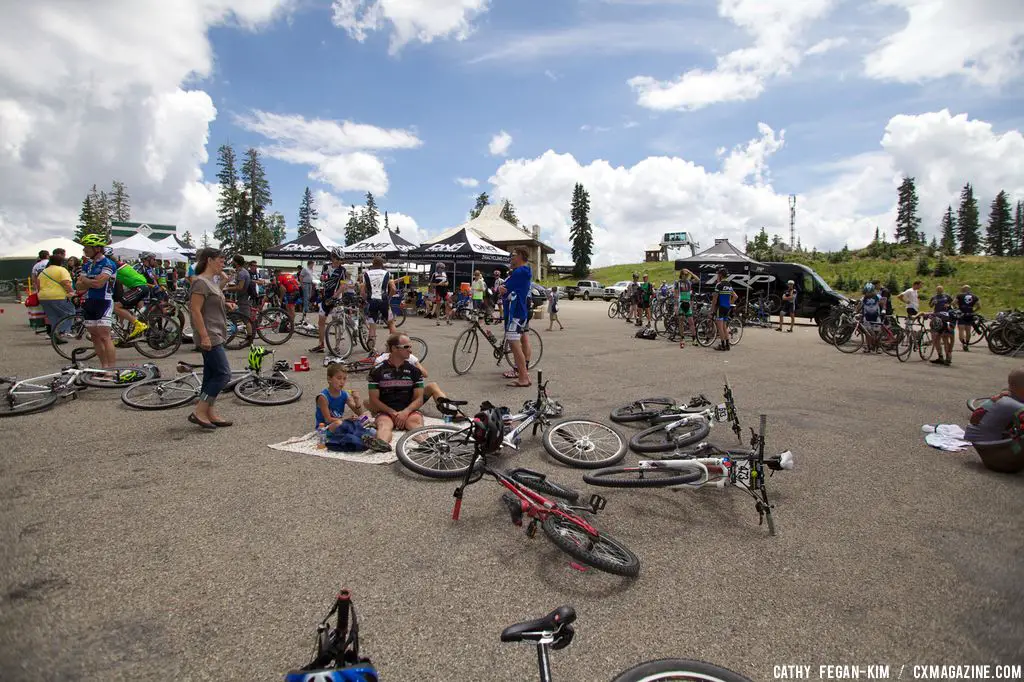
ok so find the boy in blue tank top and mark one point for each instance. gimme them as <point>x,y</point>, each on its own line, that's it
<point>330,404</point>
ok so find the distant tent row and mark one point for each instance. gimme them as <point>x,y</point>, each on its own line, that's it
<point>462,246</point>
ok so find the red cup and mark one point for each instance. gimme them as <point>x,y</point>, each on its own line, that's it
<point>298,366</point>
<point>304,360</point>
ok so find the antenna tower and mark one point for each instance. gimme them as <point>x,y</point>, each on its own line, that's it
<point>792,221</point>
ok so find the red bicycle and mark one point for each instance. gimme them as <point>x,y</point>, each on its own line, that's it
<point>564,524</point>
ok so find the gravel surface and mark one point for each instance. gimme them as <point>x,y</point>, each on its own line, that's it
<point>136,546</point>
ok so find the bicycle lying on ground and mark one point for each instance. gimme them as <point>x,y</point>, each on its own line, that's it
<point>336,656</point>
<point>446,450</point>
<point>249,385</point>
<point>467,345</point>
<point>40,393</point>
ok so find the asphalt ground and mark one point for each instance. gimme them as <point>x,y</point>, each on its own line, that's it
<point>136,546</point>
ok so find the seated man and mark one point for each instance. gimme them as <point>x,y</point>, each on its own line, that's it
<point>431,389</point>
<point>1001,416</point>
<point>396,390</point>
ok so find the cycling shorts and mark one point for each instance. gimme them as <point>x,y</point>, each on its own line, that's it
<point>724,313</point>
<point>645,303</point>
<point>378,311</point>
<point>441,293</point>
<point>966,320</point>
<point>940,324</point>
<point>911,312</point>
<point>787,307</point>
<point>515,328</point>
<point>684,309</point>
<point>97,312</point>
<point>292,298</point>
<point>131,297</point>
<point>327,305</point>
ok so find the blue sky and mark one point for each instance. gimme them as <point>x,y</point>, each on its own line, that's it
<point>593,81</point>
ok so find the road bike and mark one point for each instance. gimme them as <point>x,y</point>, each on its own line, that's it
<point>1006,333</point>
<point>248,385</point>
<point>446,450</point>
<point>884,336</point>
<point>651,409</point>
<point>42,392</point>
<point>336,656</point>
<point>162,339</point>
<point>346,326</point>
<point>467,345</point>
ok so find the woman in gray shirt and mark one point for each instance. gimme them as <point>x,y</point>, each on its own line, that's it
<point>209,327</point>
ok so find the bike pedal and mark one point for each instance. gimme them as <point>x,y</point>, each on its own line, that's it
<point>531,530</point>
<point>597,503</point>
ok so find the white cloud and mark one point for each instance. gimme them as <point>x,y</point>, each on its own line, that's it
<point>467,182</point>
<point>334,215</point>
<point>499,144</point>
<point>632,206</point>
<point>826,45</point>
<point>981,40</point>
<point>422,20</point>
<point>776,27</point>
<point>587,128</point>
<point>76,112</point>
<point>550,74</point>
<point>335,149</point>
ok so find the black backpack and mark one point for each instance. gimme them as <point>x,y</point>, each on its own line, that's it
<point>647,333</point>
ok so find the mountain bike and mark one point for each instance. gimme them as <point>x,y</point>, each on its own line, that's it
<point>885,336</point>
<point>345,326</point>
<point>467,345</point>
<point>40,393</point>
<point>446,450</point>
<point>651,409</point>
<point>162,339</point>
<point>336,656</point>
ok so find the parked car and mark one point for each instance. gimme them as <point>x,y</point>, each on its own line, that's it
<point>538,296</point>
<point>616,290</point>
<point>585,289</point>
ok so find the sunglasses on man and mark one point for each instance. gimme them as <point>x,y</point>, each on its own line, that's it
<point>407,346</point>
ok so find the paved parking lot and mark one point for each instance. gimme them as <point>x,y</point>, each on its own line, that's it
<point>135,546</point>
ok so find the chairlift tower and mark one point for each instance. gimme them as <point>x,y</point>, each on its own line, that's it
<point>792,222</point>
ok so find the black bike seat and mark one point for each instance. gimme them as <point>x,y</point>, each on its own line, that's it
<point>455,402</point>
<point>534,630</point>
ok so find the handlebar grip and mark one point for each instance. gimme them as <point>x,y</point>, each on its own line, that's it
<point>764,420</point>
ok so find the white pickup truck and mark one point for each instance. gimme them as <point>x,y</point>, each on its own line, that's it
<point>585,289</point>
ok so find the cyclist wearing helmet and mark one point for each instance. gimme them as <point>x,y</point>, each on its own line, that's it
<point>129,290</point>
<point>684,291</point>
<point>725,299</point>
<point>97,281</point>
<point>441,285</point>
<point>942,326</point>
<point>334,288</point>
<point>788,305</point>
<point>968,304</point>
<point>377,289</point>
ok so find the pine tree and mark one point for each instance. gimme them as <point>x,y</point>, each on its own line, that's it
<point>934,246</point>
<point>580,234</point>
<point>100,212</point>
<point>254,180</point>
<point>999,232</point>
<point>968,224</point>
<point>878,238</point>
<point>187,238</point>
<point>278,227</point>
<point>227,229</point>
<point>508,212</point>
<point>481,201</point>
<point>370,221</point>
<point>1018,230</point>
<point>907,221</point>
<point>353,228</point>
<point>85,219</point>
<point>206,240</point>
<point>948,228</point>
<point>307,214</point>
<point>387,224</point>
<point>245,232</point>
<point>120,206</point>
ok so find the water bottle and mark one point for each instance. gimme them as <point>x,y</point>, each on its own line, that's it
<point>364,421</point>
<point>371,431</point>
<point>321,436</point>
<point>489,335</point>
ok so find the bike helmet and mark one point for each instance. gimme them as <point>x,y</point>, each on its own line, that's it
<point>338,252</point>
<point>487,429</point>
<point>93,240</point>
<point>146,255</point>
<point>869,288</point>
<point>256,355</point>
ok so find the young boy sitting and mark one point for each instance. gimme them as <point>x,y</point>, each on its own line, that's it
<point>331,403</point>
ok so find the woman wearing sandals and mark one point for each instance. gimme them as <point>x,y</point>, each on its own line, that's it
<point>788,306</point>
<point>209,327</point>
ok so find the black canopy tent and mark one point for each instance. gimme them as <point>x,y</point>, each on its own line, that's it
<point>465,250</point>
<point>386,244</point>
<point>742,268</point>
<point>310,246</point>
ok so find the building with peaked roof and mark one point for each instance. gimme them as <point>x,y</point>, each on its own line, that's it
<point>491,227</point>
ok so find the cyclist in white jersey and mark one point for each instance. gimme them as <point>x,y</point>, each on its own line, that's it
<point>377,289</point>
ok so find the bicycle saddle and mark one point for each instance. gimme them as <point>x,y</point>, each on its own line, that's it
<point>449,406</point>
<point>554,624</point>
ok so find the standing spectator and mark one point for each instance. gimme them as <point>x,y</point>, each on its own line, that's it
<point>684,292</point>
<point>553,309</point>
<point>725,297</point>
<point>307,278</point>
<point>942,326</point>
<point>40,265</point>
<point>377,290</point>
<point>515,292</point>
<point>441,286</point>
<point>241,286</point>
<point>633,292</point>
<point>479,289</point>
<point>911,298</point>
<point>968,304</point>
<point>646,297</point>
<point>788,305</point>
<point>495,297</point>
<point>209,326</point>
<point>97,281</point>
<point>54,289</point>
<point>334,289</point>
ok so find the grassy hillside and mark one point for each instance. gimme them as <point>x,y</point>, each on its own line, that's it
<point>999,282</point>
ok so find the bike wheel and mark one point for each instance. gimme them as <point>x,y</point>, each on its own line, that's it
<point>364,336</point>
<point>904,346</point>
<point>735,328</point>
<point>680,670</point>
<point>536,350</point>
<point>642,409</point>
<point>849,338</point>
<point>613,310</point>
<point>162,339</point>
<point>399,313</point>
<point>602,552</point>
<point>540,483</point>
<point>442,451</point>
<point>979,333</point>
<point>75,338</point>
<point>774,303</point>
<point>119,377</point>
<point>419,348</point>
<point>584,443</point>
<point>662,439</point>
<point>240,331</point>
<point>13,403</point>
<point>273,326</point>
<point>925,350</point>
<point>465,350</point>
<point>161,394</point>
<point>272,390</point>
<point>889,341</point>
<point>707,332</point>
<point>339,342</point>
<point>640,477</point>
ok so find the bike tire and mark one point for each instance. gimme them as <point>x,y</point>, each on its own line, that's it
<point>268,326</point>
<point>660,439</point>
<point>11,407</point>
<point>636,411</point>
<point>399,315</point>
<point>436,443</point>
<point>419,347</point>
<point>585,443</point>
<point>125,376</point>
<point>536,350</point>
<point>735,329</point>
<point>540,483</point>
<point>925,349</point>
<point>240,332</point>
<point>249,390</point>
<point>185,390</point>
<point>162,339</point>
<point>364,335</point>
<point>339,341</point>
<point>464,353</point>
<point>707,332</point>
<point>76,338</point>
<point>667,669</point>
<point>578,544</point>
<point>634,476</point>
<point>849,339</point>
<point>613,310</point>
<point>979,332</point>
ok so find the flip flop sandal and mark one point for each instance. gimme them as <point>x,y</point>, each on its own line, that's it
<point>513,384</point>
<point>511,374</point>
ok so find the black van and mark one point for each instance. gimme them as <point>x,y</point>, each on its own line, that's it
<point>814,296</point>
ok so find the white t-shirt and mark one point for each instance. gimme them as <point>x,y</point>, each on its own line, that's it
<point>912,299</point>
<point>376,283</point>
<point>39,267</point>
<point>383,357</point>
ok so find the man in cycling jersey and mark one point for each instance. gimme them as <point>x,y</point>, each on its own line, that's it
<point>377,289</point>
<point>288,287</point>
<point>942,326</point>
<point>515,292</point>
<point>149,270</point>
<point>97,281</point>
<point>911,298</point>
<point>684,293</point>
<point>870,308</point>
<point>646,291</point>
<point>968,304</point>
<point>396,390</point>
<point>725,299</point>
<point>334,289</point>
<point>788,305</point>
<point>441,285</point>
<point>241,286</point>
<point>431,389</point>
<point>633,296</point>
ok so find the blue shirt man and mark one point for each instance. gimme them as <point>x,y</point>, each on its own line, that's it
<point>515,292</point>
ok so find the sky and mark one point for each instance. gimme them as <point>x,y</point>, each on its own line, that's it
<point>676,115</point>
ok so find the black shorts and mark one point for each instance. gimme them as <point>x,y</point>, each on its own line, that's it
<point>645,304</point>
<point>966,320</point>
<point>97,312</point>
<point>131,297</point>
<point>787,307</point>
<point>378,311</point>
<point>684,309</point>
<point>327,305</point>
<point>911,312</point>
<point>441,292</point>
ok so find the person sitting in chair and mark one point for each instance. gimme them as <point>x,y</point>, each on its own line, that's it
<point>1001,416</point>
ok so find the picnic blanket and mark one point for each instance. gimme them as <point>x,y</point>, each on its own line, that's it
<point>307,445</point>
<point>948,437</point>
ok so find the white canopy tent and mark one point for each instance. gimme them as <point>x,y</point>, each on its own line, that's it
<point>171,243</point>
<point>32,251</point>
<point>138,244</point>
